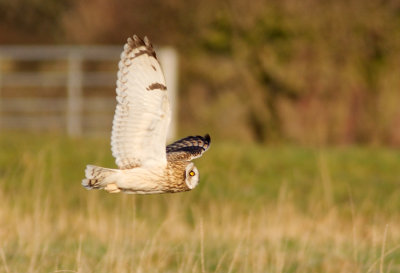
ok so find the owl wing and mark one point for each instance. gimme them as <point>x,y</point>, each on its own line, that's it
<point>188,148</point>
<point>142,114</point>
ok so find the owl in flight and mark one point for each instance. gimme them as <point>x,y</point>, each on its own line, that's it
<point>139,132</point>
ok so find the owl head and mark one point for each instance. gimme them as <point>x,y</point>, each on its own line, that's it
<point>191,175</point>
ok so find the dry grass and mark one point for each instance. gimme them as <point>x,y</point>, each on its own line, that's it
<point>265,209</point>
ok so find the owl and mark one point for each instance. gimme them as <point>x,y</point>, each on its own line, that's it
<point>139,131</point>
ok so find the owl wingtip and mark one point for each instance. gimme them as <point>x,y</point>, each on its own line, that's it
<point>207,138</point>
<point>146,41</point>
<point>135,41</point>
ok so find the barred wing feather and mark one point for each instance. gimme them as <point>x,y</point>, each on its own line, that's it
<point>188,148</point>
<point>142,114</point>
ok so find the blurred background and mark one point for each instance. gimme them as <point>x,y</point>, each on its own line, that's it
<point>301,99</point>
<point>315,72</point>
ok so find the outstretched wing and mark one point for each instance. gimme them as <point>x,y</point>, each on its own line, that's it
<point>142,114</point>
<point>188,148</point>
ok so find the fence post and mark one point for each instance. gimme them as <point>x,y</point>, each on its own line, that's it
<point>74,101</point>
<point>169,62</point>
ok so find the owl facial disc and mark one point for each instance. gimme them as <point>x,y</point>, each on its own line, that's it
<point>191,176</point>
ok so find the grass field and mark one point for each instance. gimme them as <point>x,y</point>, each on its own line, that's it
<point>257,209</point>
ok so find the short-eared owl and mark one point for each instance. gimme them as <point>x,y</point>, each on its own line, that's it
<point>139,132</point>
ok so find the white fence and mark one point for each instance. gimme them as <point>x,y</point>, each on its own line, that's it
<point>66,106</point>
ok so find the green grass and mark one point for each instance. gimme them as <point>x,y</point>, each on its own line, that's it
<point>257,209</point>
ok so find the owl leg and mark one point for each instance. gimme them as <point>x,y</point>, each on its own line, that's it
<point>112,188</point>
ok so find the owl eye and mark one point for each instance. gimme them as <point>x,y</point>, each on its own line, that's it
<point>191,173</point>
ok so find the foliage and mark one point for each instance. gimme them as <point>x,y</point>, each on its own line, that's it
<point>28,21</point>
<point>257,209</point>
<point>308,72</point>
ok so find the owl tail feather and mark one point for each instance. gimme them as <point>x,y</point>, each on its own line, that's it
<point>96,177</point>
